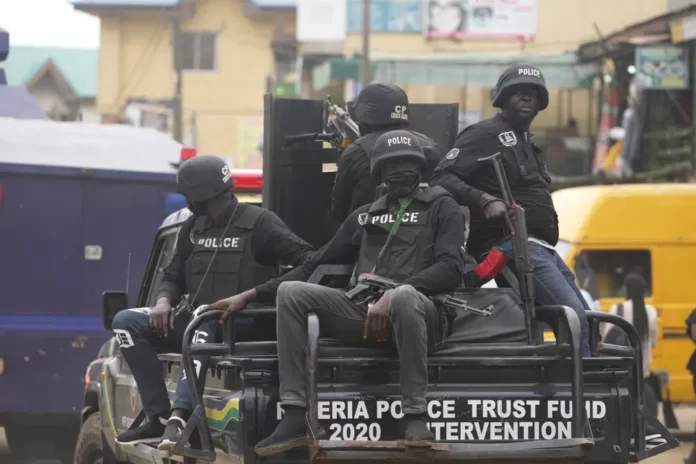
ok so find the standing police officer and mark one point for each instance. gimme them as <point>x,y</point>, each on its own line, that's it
<point>223,249</point>
<point>379,108</point>
<point>410,235</point>
<point>521,93</point>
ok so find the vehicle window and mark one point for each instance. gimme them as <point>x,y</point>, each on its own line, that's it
<point>165,251</point>
<point>602,272</point>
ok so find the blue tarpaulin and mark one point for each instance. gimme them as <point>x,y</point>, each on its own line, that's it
<point>16,102</point>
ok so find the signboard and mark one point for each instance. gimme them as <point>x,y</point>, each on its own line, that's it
<point>480,19</point>
<point>662,67</point>
<point>472,419</point>
<point>396,16</point>
<point>321,21</point>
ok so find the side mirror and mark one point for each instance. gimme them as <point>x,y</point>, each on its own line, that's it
<point>112,303</point>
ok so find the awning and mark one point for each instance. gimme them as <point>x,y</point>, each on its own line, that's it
<point>457,69</point>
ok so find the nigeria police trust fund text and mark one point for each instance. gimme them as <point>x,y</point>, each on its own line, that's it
<point>459,419</point>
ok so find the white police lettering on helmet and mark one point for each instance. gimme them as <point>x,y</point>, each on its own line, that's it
<point>400,112</point>
<point>529,72</point>
<point>225,242</point>
<point>226,174</point>
<point>400,140</point>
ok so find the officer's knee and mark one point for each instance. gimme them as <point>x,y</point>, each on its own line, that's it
<point>403,302</point>
<point>289,291</point>
<point>123,320</point>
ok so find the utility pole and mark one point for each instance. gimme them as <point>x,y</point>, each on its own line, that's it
<point>176,48</point>
<point>366,26</point>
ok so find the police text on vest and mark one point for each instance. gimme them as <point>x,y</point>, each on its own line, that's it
<point>225,242</point>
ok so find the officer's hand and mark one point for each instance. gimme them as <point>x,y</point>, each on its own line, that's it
<point>230,306</point>
<point>377,323</point>
<point>497,209</point>
<point>162,318</point>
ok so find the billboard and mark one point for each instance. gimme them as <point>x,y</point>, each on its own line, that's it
<point>480,19</point>
<point>662,67</point>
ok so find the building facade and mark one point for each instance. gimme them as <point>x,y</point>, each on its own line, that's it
<point>236,50</point>
<point>63,81</point>
<point>228,62</point>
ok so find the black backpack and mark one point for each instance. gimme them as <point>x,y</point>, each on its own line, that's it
<point>616,336</point>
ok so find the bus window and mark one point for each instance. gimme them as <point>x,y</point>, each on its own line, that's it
<point>602,272</point>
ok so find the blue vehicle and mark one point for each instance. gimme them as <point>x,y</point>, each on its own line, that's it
<point>78,209</point>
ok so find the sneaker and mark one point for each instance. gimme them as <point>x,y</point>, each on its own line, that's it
<point>172,432</point>
<point>416,431</point>
<point>149,432</point>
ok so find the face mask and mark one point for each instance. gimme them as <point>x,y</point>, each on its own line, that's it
<point>199,208</point>
<point>402,184</point>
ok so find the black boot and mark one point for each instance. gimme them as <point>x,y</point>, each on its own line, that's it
<point>290,433</point>
<point>416,431</point>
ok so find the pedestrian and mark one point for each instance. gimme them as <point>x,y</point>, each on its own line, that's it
<point>644,318</point>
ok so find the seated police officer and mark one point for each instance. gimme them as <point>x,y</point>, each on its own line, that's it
<point>223,249</point>
<point>410,235</point>
<point>521,93</point>
<point>379,108</point>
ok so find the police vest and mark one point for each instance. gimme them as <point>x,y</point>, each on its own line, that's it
<point>234,269</point>
<point>411,248</point>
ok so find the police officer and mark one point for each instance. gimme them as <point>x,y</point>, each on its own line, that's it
<point>410,235</point>
<point>223,249</point>
<point>379,108</point>
<point>521,93</point>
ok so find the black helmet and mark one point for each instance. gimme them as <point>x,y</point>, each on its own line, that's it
<point>381,104</point>
<point>401,144</point>
<point>521,74</point>
<point>203,177</point>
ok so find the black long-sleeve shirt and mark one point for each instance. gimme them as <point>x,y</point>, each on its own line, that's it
<point>467,180</point>
<point>272,244</point>
<point>443,274</point>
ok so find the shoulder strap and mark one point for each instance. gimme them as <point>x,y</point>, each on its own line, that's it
<point>392,233</point>
<point>619,309</point>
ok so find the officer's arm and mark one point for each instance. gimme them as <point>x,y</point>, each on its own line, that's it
<point>350,164</point>
<point>460,165</point>
<point>445,273</point>
<point>173,283</point>
<point>275,244</point>
<point>342,249</point>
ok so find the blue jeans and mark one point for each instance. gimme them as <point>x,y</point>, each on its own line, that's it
<point>140,346</point>
<point>554,284</point>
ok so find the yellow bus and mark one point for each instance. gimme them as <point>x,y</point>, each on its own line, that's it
<point>609,231</point>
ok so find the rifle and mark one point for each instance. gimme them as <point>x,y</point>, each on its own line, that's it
<point>518,226</point>
<point>371,287</point>
<point>340,130</point>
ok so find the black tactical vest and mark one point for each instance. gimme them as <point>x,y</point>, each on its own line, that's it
<point>234,269</point>
<point>411,249</point>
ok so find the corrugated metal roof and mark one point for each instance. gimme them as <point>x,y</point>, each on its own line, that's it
<point>89,146</point>
<point>16,102</point>
<point>78,66</point>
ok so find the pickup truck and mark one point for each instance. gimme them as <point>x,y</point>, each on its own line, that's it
<point>490,392</point>
<point>497,392</point>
